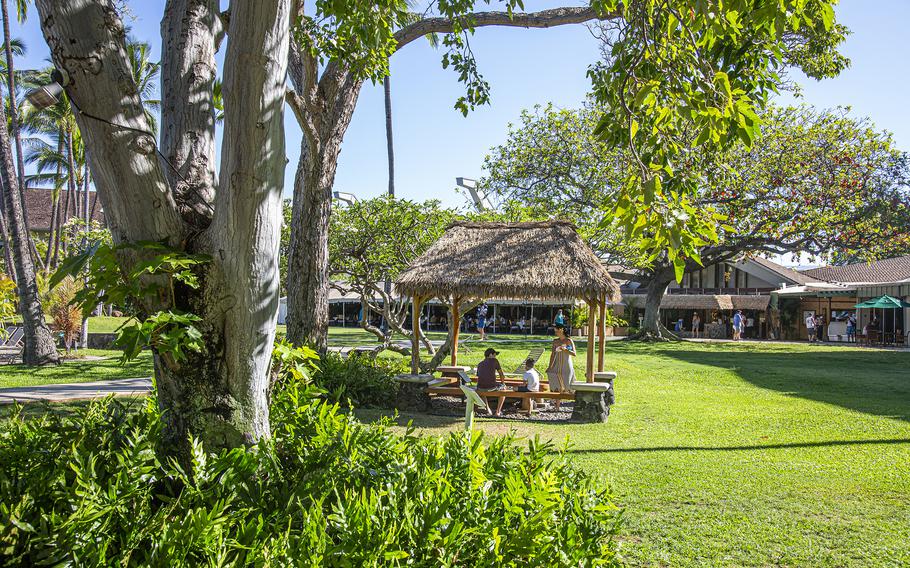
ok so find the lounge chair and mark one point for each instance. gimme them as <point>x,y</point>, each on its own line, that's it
<point>535,354</point>
<point>13,338</point>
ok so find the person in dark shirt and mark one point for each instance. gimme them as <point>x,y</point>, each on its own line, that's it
<point>486,376</point>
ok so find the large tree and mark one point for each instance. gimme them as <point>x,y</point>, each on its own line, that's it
<point>324,104</point>
<point>175,197</point>
<point>704,48</point>
<point>812,182</point>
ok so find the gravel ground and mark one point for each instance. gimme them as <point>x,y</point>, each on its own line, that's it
<point>454,406</point>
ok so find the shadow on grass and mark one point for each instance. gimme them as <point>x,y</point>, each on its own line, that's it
<point>829,443</point>
<point>868,381</point>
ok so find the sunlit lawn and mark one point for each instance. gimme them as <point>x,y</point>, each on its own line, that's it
<point>746,455</point>
<point>78,371</point>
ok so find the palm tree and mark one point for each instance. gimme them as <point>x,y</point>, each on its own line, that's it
<point>145,74</point>
<point>387,87</point>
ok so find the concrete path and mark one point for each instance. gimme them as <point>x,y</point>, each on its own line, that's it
<point>76,391</point>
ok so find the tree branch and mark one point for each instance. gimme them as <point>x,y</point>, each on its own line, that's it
<point>541,19</point>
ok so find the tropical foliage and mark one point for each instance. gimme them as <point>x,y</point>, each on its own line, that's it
<point>324,491</point>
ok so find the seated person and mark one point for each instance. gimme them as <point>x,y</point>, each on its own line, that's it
<point>486,376</point>
<point>531,378</point>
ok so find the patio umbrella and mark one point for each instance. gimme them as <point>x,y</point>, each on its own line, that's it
<point>885,302</point>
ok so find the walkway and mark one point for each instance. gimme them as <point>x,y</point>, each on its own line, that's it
<point>76,391</point>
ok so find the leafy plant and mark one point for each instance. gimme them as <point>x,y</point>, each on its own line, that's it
<point>291,363</point>
<point>326,490</point>
<point>66,315</point>
<point>151,281</point>
<point>359,380</point>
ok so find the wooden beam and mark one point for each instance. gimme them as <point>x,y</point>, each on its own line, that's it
<point>602,329</point>
<point>416,303</point>
<point>592,320</point>
<point>456,323</point>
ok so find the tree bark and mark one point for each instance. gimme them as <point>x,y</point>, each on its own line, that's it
<point>217,395</point>
<point>191,30</point>
<point>39,343</point>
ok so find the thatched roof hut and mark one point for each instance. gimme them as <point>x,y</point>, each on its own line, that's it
<point>536,261</point>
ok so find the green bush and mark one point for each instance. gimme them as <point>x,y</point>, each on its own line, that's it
<point>325,490</point>
<point>359,380</point>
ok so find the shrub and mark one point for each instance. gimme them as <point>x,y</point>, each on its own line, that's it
<point>66,316</point>
<point>325,490</point>
<point>359,380</point>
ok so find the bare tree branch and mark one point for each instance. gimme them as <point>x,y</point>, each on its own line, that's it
<point>541,19</point>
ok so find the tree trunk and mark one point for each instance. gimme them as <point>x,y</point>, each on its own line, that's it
<point>387,88</point>
<point>219,395</point>
<point>657,287</point>
<point>4,231</point>
<point>14,115</point>
<point>39,343</point>
<point>308,258</point>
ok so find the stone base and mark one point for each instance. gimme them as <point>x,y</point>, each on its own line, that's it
<point>412,395</point>
<point>593,401</point>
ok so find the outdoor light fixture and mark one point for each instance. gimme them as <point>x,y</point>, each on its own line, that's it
<point>48,95</point>
<point>480,200</point>
<point>348,198</point>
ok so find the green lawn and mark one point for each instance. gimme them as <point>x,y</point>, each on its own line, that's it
<point>105,324</point>
<point>77,371</point>
<point>747,455</point>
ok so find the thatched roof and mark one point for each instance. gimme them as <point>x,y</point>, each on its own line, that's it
<point>714,302</point>
<point>535,261</point>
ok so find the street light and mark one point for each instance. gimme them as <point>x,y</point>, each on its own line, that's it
<point>480,199</point>
<point>344,197</point>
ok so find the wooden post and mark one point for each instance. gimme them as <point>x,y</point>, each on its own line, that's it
<point>416,302</point>
<point>592,320</point>
<point>456,323</point>
<point>602,328</point>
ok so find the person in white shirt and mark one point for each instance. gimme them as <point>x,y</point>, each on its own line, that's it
<point>810,327</point>
<point>531,378</point>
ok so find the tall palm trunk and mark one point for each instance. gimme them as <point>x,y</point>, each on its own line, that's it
<point>7,255</point>
<point>39,343</point>
<point>387,87</point>
<point>53,239</point>
<point>14,108</point>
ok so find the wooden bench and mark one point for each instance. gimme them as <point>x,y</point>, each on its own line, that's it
<point>525,397</point>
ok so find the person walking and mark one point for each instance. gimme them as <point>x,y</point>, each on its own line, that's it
<point>696,324</point>
<point>810,327</point>
<point>561,369</point>
<point>820,328</point>
<point>482,321</point>
<point>560,319</point>
<point>738,325</point>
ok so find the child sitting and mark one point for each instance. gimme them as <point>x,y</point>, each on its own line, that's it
<point>531,378</point>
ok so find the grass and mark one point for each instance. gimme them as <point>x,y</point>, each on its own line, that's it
<point>746,455</point>
<point>105,324</point>
<point>77,371</point>
<point>721,454</point>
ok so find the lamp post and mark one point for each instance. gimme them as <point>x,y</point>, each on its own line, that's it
<point>480,199</point>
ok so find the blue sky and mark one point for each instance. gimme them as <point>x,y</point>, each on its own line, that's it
<point>434,143</point>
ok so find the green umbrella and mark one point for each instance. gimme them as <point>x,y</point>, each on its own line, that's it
<point>883,303</point>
